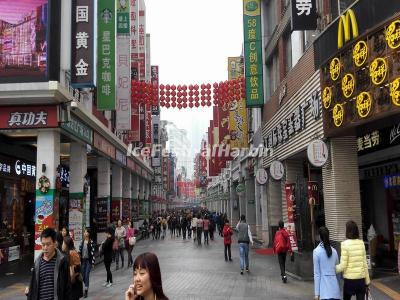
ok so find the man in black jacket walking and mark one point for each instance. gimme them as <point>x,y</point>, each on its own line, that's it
<point>50,274</point>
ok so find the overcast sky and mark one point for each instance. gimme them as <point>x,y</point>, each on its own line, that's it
<point>191,41</point>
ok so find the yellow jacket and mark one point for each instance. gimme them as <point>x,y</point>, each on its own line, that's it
<point>353,260</point>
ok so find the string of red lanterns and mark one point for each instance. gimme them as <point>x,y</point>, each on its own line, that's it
<point>184,96</point>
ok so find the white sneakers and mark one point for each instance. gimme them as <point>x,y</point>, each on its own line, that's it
<point>107,284</point>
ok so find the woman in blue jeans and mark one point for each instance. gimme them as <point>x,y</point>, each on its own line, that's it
<point>244,239</point>
<point>86,251</point>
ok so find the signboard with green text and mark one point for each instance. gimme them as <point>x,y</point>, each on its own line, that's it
<point>253,53</point>
<point>106,22</point>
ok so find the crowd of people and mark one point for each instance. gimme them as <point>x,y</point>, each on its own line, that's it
<point>64,272</point>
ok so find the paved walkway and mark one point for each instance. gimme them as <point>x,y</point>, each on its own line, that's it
<point>193,272</point>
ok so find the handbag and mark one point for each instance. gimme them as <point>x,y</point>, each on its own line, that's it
<point>132,241</point>
<point>115,245</point>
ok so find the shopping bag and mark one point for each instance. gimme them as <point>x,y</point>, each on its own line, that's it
<point>132,241</point>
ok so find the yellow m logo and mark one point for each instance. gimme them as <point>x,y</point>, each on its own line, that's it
<point>347,25</point>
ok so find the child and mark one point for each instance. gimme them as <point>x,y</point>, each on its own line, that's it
<point>227,233</point>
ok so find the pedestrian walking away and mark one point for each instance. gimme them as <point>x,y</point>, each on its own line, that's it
<point>120,235</point>
<point>50,278</point>
<point>325,259</point>
<point>86,251</point>
<point>199,229</point>
<point>147,281</point>
<point>74,268</point>
<point>206,228</point>
<point>281,247</point>
<point>130,242</point>
<point>227,233</point>
<point>107,251</point>
<point>244,238</point>
<point>353,264</point>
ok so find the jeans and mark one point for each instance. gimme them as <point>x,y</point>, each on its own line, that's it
<point>184,233</point>
<point>130,260</point>
<point>205,237</point>
<point>118,253</point>
<point>108,269</point>
<point>227,252</point>
<point>86,267</point>
<point>244,255</point>
<point>199,230</point>
<point>282,263</point>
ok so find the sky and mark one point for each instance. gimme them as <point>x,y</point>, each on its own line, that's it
<point>191,41</point>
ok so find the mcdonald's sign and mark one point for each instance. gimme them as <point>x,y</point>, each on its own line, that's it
<point>347,26</point>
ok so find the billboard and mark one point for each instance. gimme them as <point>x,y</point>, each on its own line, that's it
<point>24,32</point>
<point>142,41</point>
<point>304,15</point>
<point>123,105</point>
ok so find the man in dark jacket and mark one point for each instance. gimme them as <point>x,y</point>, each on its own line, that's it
<point>50,274</point>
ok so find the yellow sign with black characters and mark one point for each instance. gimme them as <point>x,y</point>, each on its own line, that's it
<point>378,70</point>
<point>395,91</point>
<point>392,34</point>
<point>348,85</point>
<point>360,53</point>
<point>334,68</point>
<point>327,95</point>
<point>338,115</point>
<point>364,104</point>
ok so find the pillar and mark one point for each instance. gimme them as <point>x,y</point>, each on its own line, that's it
<point>265,235</point>
<point>46,203</point>
<point>342,187</point>
<point>116,201</point>
<point>77,198</point>
<point>274,206</point>
<point>126,194</point>
<point>103,197</point>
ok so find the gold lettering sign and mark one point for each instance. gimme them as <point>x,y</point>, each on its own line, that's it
<point>392,34</point>
<point>360,53</point>
<point>364,104</point>
<point>347,25</point>
<point>327,96</point>
<point>378,70</point>
<point>395,91</point>
<point>334,68</point>
<point>338,115</point>
<point>348,84</point>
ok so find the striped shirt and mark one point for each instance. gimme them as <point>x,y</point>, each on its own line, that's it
<point>46,278</point>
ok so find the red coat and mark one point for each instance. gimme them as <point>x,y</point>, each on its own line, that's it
<point>286,237</point>
<point>227,233</point>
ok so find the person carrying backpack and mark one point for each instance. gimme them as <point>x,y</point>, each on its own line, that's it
<point>281,247</point>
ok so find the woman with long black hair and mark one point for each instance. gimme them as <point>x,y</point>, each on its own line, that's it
<point>325,258</point>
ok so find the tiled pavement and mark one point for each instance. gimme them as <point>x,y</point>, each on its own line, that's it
<point>193,272</point>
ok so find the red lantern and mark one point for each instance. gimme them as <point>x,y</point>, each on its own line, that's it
<point>173,87</point>
<point>203,103</point>
<point>179,105</point>
<point>208,98</point>
<point>191,99</point>
<point>173,93</point>
<point>191,93</point>
<point>173,104</point>
<point>162,86</point>
<point>215,85</point>
<point>173,99</point>
<point>190,87</point>
<point>208,103</point>
<point>167,87</point>
<point>162,104</point>
<point>197,104</point>
<point>203,86</point>
<point>179,87</point>
<point>215,102</point>
<point>196,93</point>
<point>203,98</point>
<point>167,105</point>
<point>184,87</point>
<point>196,87</point>
<point>203,92</point>
<point>208,86</point>
<point>191,105</point>
<point>184,105</point>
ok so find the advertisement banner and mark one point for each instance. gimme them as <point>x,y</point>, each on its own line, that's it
<point>134,25</point>
<point>43,215</point>
<point>21,117</point>
<point>291,229</point>
<point>23,43</point>
<point>123,105</point>
<point>134,133</point>
<point>123,17</point>
<point>148,126</point>
<point>155,109</point>
<point>148,60</point>
<point>312,191</point>
<point>75,224</point>
<point>106,55</point>
<point>102,214</point>
<point>82,46</point>
<point>126,209</point>
<point>253,53</point>
<point>223,124</point>
<point>115,209</point>
<point>238,124</point>
<point>290,201</point>
<point>304,15</point>
<point>142,41</point>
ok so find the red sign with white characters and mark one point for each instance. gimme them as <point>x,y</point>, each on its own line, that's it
<point>148,127</point>
<point>28,117</point>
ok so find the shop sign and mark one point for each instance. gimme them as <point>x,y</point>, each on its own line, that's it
<point>277,170</point>
<point>356,80</point>
<point>142,41</point>
<point>102,213</point>
<point>79,130</point>
<point>291,229</point>
<point>304,15</point>
<point>82,47</point>
<point>120,157</point>
<point>13,253</point>
<point>261,176</point>
<point>106,55</point>
<point>17,167</point>
<point>317,153</point>
<point>290,201</point>
<point>392,181</point>
<point>123,17</point>
<point>155,109</point>
<point>253,53</point>
<point>64,172</point>
<point>378,139</point>
<point>312,191</point>
<point>295,122</point>
<point>103,145</point>
<point>28,117</point>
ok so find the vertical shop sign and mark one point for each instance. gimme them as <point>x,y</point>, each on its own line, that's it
<point>102,214</point>
<point>148,60</point>
<point>106,55</point>
<point>253,53</point>
<point>149,127</point>
<point>238,126</point>
<point>291,212</point>
<point>304,15</point>
<point>76,218</point>
<point>142,121</point>
<point>123,105</point>
<point>142,41</point>
<point>82,48</point>
<point>134,34</point>
<point>312,191</point>
<point>155,109</point>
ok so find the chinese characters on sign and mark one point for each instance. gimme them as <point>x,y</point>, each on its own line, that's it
<point>106,55</point>
<point>295,122</point>
<point>28,117</point>
<point>253,53</point>
<point>123,17</point>
<point>369,140</point>
<point>304,15</point>
<point>78,129</point>
<point>142,41</point>
<point>82,43</point>
<point>155,110</point>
